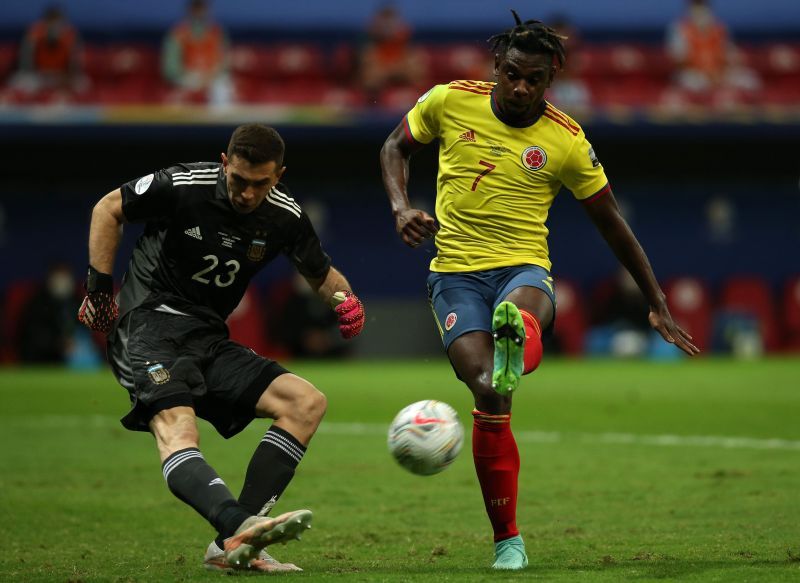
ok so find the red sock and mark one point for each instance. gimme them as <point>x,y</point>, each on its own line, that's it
<point>533,342</point>
<point>497,465</point>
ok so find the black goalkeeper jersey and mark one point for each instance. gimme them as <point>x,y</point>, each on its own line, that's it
<point>197,254</point>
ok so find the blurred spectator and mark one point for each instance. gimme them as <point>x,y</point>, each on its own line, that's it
<point>50,57</point>
<point>195,56</point>
<point>47,322</point>
<point>307,326</point>
<point>569,91</point>
<point>388,56</point>
<point>707,61</point>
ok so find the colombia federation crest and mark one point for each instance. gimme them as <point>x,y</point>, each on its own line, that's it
<point>534,158</point>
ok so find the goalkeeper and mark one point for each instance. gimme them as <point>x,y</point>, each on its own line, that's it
<point>209,228</point>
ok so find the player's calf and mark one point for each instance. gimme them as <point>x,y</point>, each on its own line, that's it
<point>532,354</point>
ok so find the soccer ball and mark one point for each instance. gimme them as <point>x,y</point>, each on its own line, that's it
<point>425,437</point>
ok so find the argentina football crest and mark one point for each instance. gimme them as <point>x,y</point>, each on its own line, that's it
<point>258,247</point>
<point>158,373</point>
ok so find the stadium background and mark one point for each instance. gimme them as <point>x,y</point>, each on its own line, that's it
<point>669,169</point>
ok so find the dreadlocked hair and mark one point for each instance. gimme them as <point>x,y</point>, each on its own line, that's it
<point>531,36</point>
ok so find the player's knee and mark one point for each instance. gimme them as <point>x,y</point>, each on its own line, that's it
<point>174,430</point>
<point>487,399</point>
<point>309,405</point>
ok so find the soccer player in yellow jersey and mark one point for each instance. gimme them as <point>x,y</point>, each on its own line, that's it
<point>504,153</point>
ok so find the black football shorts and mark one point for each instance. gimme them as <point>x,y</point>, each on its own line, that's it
<point>168,360</point>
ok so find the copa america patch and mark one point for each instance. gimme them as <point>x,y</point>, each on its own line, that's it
<point>450,321</point>
<point>158,374</point>
<point>143,184</point>
<point>424,96</point>
<point>534,158</point>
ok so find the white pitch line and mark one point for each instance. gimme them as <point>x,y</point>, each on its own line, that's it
<point>714,441</point>
<point>41,422</point>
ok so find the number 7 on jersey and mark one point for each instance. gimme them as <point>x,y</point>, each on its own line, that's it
<point>489,168</point>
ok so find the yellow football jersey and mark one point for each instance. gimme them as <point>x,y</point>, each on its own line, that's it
<point>496,182</point>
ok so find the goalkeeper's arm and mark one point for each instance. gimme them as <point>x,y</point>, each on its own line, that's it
<point>105,231</point>
<point>99,310</point>
<point>335,290</point>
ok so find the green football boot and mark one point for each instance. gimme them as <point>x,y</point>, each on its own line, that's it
<point>509,554</point>
<point>508,331</point>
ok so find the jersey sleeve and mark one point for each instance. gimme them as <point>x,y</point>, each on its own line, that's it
<point>305,250</point>
<point>423,122</point>
<point>148,197</point>
<point>582,172</point>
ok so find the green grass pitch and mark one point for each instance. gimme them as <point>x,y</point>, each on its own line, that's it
<point>630,471</point>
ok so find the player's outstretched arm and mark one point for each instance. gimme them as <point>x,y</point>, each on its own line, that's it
<point>335,290</point>
<point>98,309</point>
<point>413,225</point>
<point>605,214</point>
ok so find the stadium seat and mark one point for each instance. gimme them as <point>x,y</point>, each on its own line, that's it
<point>772,60</point>
<point>751,296</point>
<point>122,62</point>
<point>689,301</point>
<point>251,60</point>
<point>570,326</point>
<point>399,99</point>
<point>458,61</point>
<point>8,59</point>
<point>299,62</point>
<point>247,325</point>
<point>790,314</point>
<point>15,298</point>
<point>633,75</point>
<point>285,93</point>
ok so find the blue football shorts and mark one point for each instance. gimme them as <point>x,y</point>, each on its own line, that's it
<point>465,302</point>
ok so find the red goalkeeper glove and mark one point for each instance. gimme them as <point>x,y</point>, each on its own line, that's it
<point>98,310</point>
<point>351,313</point>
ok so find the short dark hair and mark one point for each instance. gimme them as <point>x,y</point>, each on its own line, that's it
<point>531,36</point>
<point>257,144</point>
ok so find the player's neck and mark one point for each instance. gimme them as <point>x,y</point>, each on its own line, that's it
<point>517,121</point>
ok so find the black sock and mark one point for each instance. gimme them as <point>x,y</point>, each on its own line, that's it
<point>195,482</point>
<point>270,471</point>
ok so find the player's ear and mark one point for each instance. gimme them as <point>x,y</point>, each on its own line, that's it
<point>496,65</point>
<point>280,172</point>
<point>224,159</point>
<point>552,75</point>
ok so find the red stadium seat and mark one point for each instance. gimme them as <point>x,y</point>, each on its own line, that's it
<point>16,296</point>
<point>772,60</point>
<point>790,314</point>
<point>689,302</point>
<point>119,62</point>
<point>400,99</point>
<point>570,325</point>
<point>286,93</point>
<point>343,63</point>
<point>446,63</point>
<point>751,296</point>
<point>247,325</point>
<point>8,59</point>
<point>304,62</point>
<point>251,60</point>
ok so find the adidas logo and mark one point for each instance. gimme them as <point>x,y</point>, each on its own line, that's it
<point>216,482</point>
<point>468,135</point>
<point>194,232</point>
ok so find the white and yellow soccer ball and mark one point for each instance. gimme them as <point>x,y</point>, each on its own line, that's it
<point>425,437</point>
